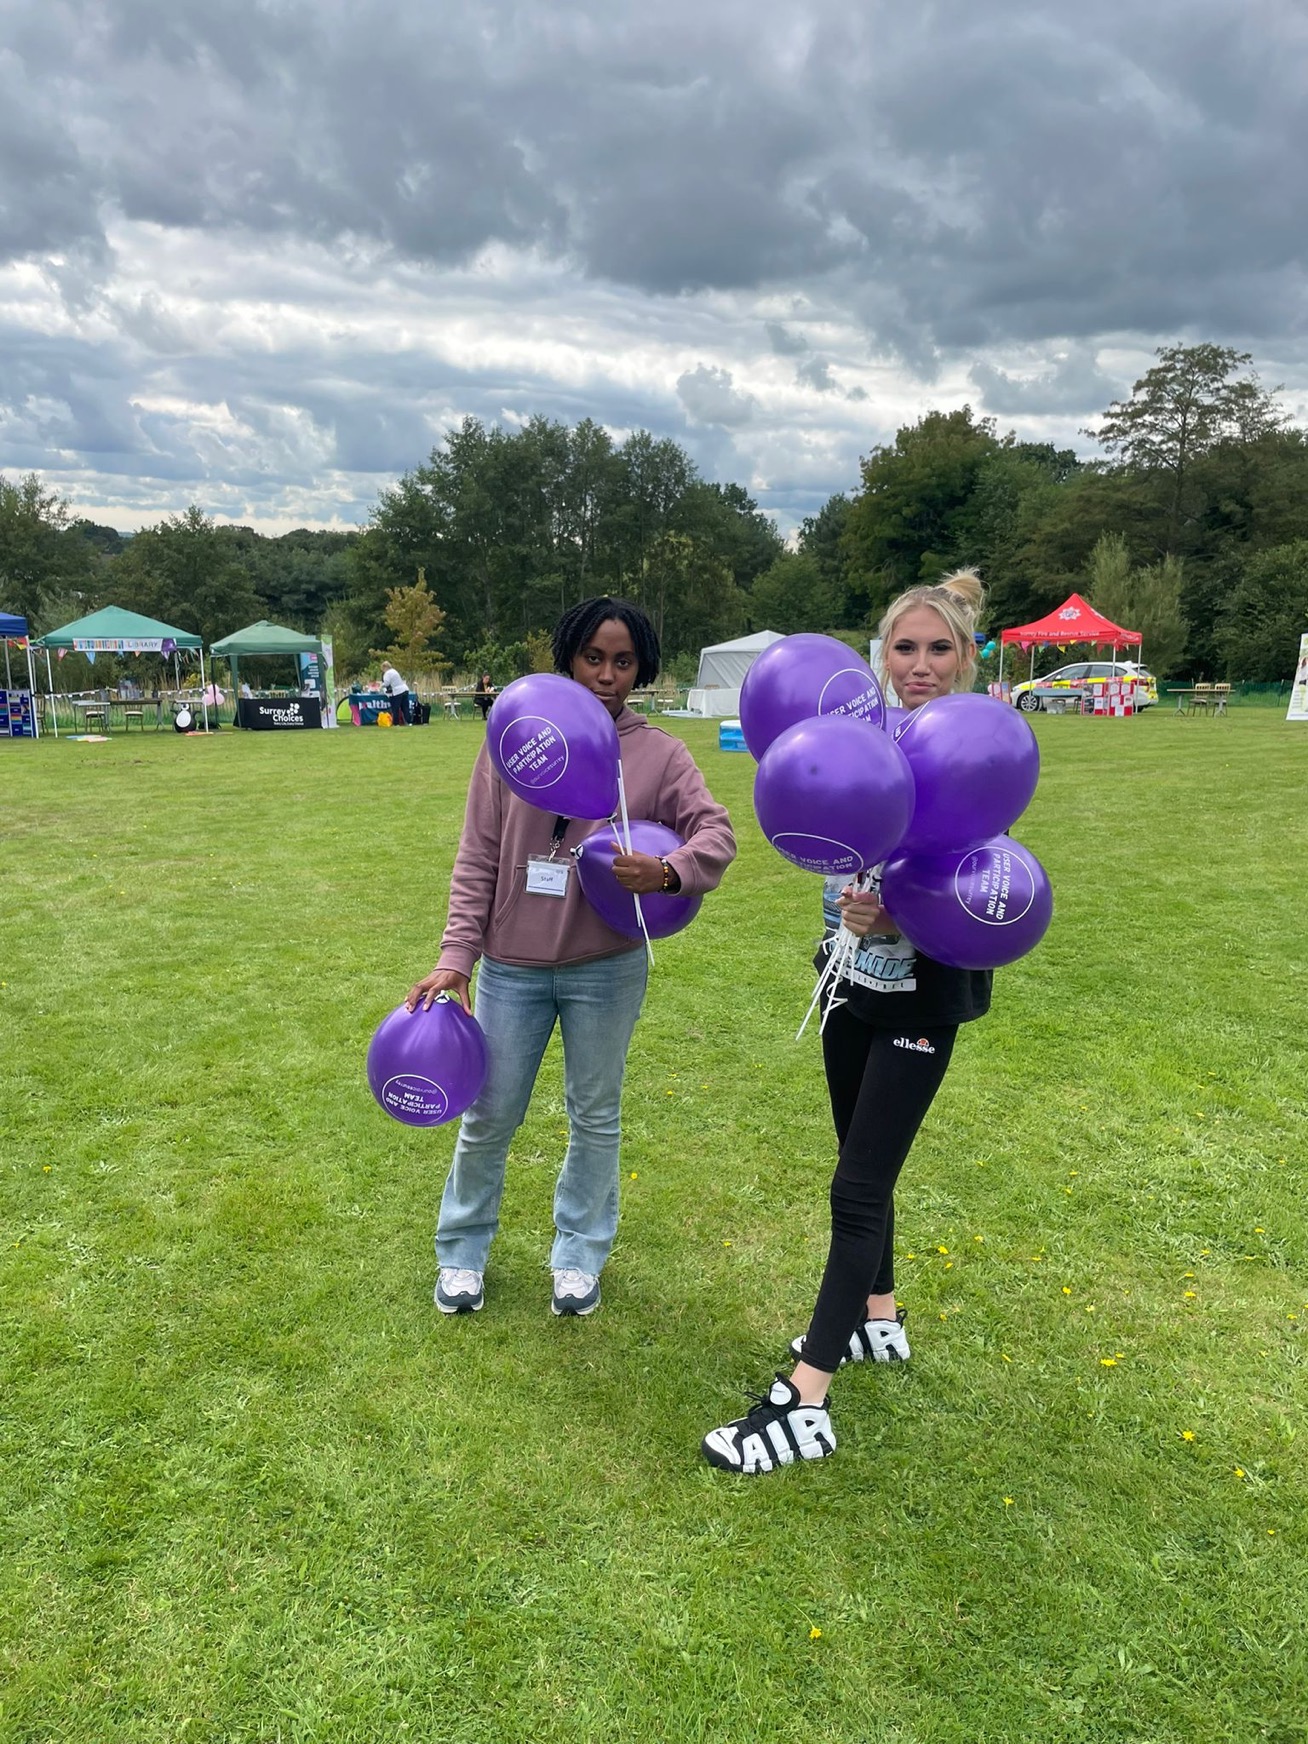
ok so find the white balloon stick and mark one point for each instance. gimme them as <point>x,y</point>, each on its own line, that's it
<point>626,836</point>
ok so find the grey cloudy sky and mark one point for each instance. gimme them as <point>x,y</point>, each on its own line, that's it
<point>260,255</point>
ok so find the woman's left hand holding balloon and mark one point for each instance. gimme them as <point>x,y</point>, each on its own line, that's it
<point>641,874</point>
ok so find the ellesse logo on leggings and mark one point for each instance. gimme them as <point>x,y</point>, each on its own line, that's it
<point>921,1046</point>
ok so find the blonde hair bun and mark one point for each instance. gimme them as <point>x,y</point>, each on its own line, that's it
<point>965,585</point>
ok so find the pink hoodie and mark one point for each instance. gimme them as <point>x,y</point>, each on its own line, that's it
<point>491,913</point>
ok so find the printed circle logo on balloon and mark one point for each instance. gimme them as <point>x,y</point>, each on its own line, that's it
<point>666,912</point>
<point>975,764</point>
<point>833,795</point>
<point>971,908</point>
<point>804,678</point>
<point>427,1066</point>
<point>554,744</point>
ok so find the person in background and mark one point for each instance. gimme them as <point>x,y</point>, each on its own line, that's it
<point>484,695</point>
<point>547,957</point>
<point>886,1048</point>
<point>398,691</point>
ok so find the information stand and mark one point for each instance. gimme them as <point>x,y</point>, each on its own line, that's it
<point>17,716</point>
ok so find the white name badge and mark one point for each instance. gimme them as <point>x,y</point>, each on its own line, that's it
<point>547,877</point>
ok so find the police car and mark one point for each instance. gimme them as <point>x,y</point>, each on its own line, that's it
<point>1080,675</point>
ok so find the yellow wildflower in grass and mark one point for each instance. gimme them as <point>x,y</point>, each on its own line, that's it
<point>634,1176</point>
<point>1187,1435</point>
<point>1067,1289</point>
<point>943,1250</point>
<point>1238,1470</point>
<point>1191,1295</point>
<point>815,1634</point>
<point>1108,1362</point>
<point>1008,1501</point>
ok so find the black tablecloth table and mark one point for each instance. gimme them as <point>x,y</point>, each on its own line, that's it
<point>264,713</point>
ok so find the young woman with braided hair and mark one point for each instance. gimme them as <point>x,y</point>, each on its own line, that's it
<point>547,957</point>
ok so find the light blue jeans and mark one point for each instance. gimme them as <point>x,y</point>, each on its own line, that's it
<point>596,1005</point>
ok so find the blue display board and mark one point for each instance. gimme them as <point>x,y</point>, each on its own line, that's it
<point>16,718</point>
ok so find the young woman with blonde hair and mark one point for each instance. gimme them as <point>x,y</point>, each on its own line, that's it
<point>886,1049</point>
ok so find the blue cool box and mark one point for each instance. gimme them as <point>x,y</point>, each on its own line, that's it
<point>730,737</point>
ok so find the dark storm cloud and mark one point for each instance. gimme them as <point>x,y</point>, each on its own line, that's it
<point>1010,172</point>
<point>960,195</point>
<point>816,374</point>
<point>1073,382</point>
<point>710,398</point>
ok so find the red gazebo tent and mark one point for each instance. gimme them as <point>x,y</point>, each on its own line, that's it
<point>1076,620</point>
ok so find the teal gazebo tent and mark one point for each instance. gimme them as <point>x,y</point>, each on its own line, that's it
<point>263,638</point>
<point>115,630</point>
<point>266,638</point>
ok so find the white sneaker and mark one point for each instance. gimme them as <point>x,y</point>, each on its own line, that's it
<point>776,1432</point>
<point>575,1292</point>
<point>458,1290</point>
<point>874,1341</point>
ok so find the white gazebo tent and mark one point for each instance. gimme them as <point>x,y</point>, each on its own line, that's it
<point>722,670</point>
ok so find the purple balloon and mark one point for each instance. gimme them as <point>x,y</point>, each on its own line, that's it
<point>975,763</point>
<point>895,718</point>
<point>800,678</point>
<point>426,1067</point>
<point>665,912</point>
<point>973,908</point>
<point>555,745</point>
<point>833,795</point>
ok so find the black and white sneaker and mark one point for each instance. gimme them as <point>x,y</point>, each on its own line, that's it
<point>575,1292</point>
<point>874,1341</point>
<point>458,1290</point>
<point>776,1432</point>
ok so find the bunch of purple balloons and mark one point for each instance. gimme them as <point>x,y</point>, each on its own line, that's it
<point>845,783</point>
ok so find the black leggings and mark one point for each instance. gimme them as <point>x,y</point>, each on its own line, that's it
<point>882,1082</point>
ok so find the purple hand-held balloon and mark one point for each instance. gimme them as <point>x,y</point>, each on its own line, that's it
<point>426,1067</point>
<point>975,762</point>
<point>665,913</point>
<point>833,795</point>
<point>555,745</point>
<point>895,717</point>
<point>801,677</point>
<point>973,908</point>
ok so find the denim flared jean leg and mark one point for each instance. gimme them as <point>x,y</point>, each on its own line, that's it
<point>596,1005</point>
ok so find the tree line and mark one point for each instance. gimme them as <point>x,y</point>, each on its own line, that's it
<point>1192,527</point>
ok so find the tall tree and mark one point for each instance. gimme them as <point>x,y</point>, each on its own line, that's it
<point>183,570</point>
<point>1194,397</point>
<point>1266,615</point>
<point>45,562</point>
<point>907,522</point>
<point>414,619</point>
<point>792,596</point>
<point>1148,600</point>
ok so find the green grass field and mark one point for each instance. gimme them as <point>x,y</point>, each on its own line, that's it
<point>252,1485</point>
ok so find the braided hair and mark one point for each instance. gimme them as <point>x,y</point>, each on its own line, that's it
<point>579,623</point>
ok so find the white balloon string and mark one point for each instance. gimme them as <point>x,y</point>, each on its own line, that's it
<point>626,834</point>
<point>840,959</point>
